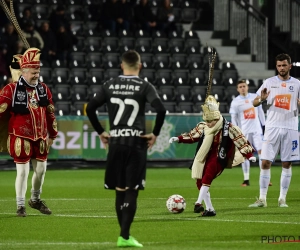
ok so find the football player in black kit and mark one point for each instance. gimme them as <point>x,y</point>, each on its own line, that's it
<point>125,97</point>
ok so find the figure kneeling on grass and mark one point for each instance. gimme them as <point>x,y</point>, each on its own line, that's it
<point>220,145</point>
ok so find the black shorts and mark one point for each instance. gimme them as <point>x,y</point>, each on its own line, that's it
<point>126,167</point>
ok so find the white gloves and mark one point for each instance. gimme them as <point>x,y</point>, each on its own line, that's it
<point>252,159</point>
<point>172,139</point>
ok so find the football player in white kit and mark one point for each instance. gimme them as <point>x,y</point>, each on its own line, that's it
<point>250,119</point>
<point>282,94</point>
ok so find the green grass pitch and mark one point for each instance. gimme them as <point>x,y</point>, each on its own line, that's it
<point>84,216</point>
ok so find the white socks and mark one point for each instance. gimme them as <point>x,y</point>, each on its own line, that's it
<point>259,161</point>
<point>208,203</point>
<point>202,192</point>
<point>21,182</point>
<point>39,171</point>
<point>285,181</point>
<point>264,181</point>
<point>246,169</point>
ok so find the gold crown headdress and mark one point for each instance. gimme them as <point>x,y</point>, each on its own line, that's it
<point>211,106</point>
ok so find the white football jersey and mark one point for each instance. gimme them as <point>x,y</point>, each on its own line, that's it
<point>247,115</point>
<point>282,102</point>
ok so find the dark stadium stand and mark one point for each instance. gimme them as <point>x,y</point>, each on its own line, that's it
<point>174,61</point>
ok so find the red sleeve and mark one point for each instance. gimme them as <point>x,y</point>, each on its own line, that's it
<point>50,115</point>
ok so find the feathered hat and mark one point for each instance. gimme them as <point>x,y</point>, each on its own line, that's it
<point>211,106</point>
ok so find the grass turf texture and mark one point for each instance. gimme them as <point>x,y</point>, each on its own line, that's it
<point>84,216</point>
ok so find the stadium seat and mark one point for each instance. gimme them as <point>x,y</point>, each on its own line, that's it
<point>198,77</point>
<point>197,107</point>
<point>62,93</point>
<point>198,94</point>
<point>185,107</point>
<point>79,93</point>
<point>80,45</point>
<point>190,34</point>
<point>160,45</point>
<point>46,75</point>
<point>111,61</point>
<point>230,74</point>
<point>147,60</point>
<point>91,29</point>
<point>94,60</point>
<point>217,77</point>
<point>167,93</point>
<point>60,76</point>
<point>108,33</point>
<point>231,93</point>
<point>40,11</point>
<point>174,34</point>
<point>76,13</point>
<point>59,64</point>
<point>125,33</point>
<point>63,108</point>
<point>176,45</point>
<point>78,60</point>
<point>181,77</point>
<point>192,46</point>
<point>148,75</point>
<point>78,76</point>
<point>164,77</point>
<point>218,93</point>
<point>162,61</point>
<point>228,66</point>
<point>96,76</point>
<point>79,108</point>
<point>223,107</point>
<point>177,14</point>
<point>141,33</point>
<point>189,15</point>
<point>179,61</point>
<point>128,42</point>
<point>93,89</point>
<point>143,45</point>
<point>170,107</point>
<point>250,82</point>
<point>183,94</point>
<point>195,61</point>
<point>110,45</point>
<point>93,44</point>
<point>112,73</point>
<point>78,28</point>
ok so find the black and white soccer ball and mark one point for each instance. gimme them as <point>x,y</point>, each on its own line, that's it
<point>176,204</point>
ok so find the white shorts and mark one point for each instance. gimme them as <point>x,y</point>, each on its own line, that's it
<point>255,139</point>
<point>285,141</point>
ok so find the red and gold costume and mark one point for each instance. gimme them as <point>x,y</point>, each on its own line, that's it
<point>207,164</point>
<point>27,134</point>
<point>212,167</point>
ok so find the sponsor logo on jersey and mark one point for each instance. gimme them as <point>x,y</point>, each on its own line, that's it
<point>127,87</point>
<point>246,101</point>
<point>283,84</point>
<point>283,101</point>
<point>294,145</point>
<point>291,88</point>
<point>249,113</point>
<point>125,132</point>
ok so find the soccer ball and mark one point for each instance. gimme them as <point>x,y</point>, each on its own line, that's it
<point>176,204</point>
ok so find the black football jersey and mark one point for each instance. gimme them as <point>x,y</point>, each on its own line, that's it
<point>126,97</point>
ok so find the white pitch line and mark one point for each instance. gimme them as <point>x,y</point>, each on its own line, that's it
<point>199,218</point>
<point>159,198</point>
